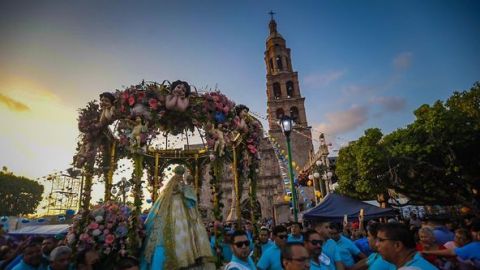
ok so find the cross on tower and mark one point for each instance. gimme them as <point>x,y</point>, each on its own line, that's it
<point>271,14</point>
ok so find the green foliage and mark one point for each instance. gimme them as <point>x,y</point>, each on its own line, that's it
<point>19,195</point>
<point>434,160</point>
<point>361,167</point>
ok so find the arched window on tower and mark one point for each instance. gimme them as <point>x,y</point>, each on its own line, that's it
<point>289,89</point>
<point>277,93</point>
<point>271,65</point>
<point>280,113</point>
<point>279,62</point>
<point>294,113</point>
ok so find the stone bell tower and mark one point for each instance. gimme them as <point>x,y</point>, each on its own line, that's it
<point>284,97</point>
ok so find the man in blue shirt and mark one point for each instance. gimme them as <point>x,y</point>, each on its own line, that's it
<point>374,261</point>
<point>296,233</point>
<point>264,239</point>
<point>270,259</point>
<point>318,260</point>
<point>32,258</point>
<point>396,244</point>
<point>348,250</point>
<point>240,258</point>
<point>329,247</point>
<point>441,232</point>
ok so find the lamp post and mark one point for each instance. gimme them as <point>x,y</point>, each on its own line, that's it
<point>317,176</point>
<point>123,186</point>
<point>287,124</point>
<point>328,176</point>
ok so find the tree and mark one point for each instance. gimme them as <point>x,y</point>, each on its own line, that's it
<point>434,160</point>
<point>19,195</point>
<point>361,167</point>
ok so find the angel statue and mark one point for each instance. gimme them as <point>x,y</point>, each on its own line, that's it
<point>178,100</point>
<point>176,237</point>
<point>107,100</point>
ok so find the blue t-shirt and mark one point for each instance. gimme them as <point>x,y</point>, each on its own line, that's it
<point>23,266</point>
<point>326,263</point>
<point>470,251</point>
<point>443,235</point>
<point>248,264</point>
<point>270,260</point>
<point>419,262</point>
<point>330,248</point>
<point>226,249</point>
<point>348,244</point>
<point>363,246</point>
<point>376,262</point>
<point>267,245</point>
<point>293,239</point>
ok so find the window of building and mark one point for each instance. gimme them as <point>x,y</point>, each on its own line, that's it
<point>280,113</point>
<point>279,62</point>
<point>294,113</point>
<point>271,64</point>
<point>289,89</point>
<point>277,93</point>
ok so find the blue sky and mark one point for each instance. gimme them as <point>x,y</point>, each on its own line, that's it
<point>361,64</point>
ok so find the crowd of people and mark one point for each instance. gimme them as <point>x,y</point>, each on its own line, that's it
<point>50,253</point>
<point>386,244</point>
<point>381,244</point>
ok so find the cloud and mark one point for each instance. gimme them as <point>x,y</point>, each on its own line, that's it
<point>403,60</point>
<point>322,79</point>
<point>344,121</point>
<point>13,104</point>
<point>390,104</point>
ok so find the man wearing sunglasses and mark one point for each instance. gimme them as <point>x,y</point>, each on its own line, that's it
<point>270,259</point>
<point>329,247</point>
<point>318,260</point>
<point>240,247</point>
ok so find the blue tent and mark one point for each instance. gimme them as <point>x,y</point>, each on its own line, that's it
<point>335,206</point>
<point>42,230</point>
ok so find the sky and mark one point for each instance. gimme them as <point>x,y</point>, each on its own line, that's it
<point>361,64</point>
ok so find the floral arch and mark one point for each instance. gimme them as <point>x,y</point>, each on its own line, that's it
<point>129,123</point>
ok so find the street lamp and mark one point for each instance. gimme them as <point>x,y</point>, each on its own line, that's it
<point>328,177</point>
<point>287,124</point>
<point>319,164</point>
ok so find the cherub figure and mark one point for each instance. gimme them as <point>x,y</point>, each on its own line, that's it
<point>139,127</point>
<point>108,110</point>
<point>217,133</point>
<point>241,112</point>
<point>177,100</point>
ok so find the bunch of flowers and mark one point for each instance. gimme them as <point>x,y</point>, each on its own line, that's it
<point>141,100</point>
<point>217,106</point>
<point>106,230</point>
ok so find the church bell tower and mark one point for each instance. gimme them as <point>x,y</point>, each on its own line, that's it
<point>284,97</point>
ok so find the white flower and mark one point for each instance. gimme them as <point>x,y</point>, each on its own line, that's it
<point>98,219</point>
<point>96,232</point>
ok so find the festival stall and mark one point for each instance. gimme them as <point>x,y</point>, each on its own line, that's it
<point>334,208</point>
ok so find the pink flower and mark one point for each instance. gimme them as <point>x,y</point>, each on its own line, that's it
<point>153,103</point>
<point>125,96</point>
<point>252,149</point>
<point>131,100</point>
<point>109,239</point>
<point>93,226</point>
<point>140,95</point>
